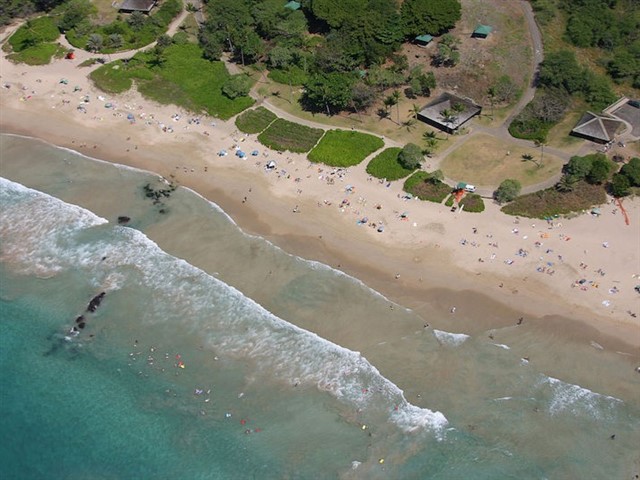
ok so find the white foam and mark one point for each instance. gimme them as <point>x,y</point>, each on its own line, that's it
<point>502,345</point>
<point>450,339</point>
<point>230,322</point>
<point>37,228</point>
<point>567,397</point>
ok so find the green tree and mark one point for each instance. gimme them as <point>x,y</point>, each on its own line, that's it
<point>600,170</point>
<point>436,176</point>
<point>75,12</point>
<point>631,170</point>
<point>448,54</point>
<point>95,42</point>
<point>578,167</point>
<point>566,184</point>
<point>561,69</point>
<point>432,17</point>
<point>115,40</point>
<point>410,157</point>
<point>508,190</point>
<point>280,57</point>
<point>620,186</point>
<point>137,20</point>
<point>330,92</point>
<point>164,41</point>
<point>237,86</point>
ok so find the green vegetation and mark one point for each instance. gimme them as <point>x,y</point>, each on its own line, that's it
<point>34,32</point>
<point>386,165</point>
<point>508,190</point>
<point>472,203</point>
<point>38,54</point>
<point>294,76</point>
<point>426,186</point>
<point>283,135</point>
<point>10,9</point>
<point>420,17</point>
<point>410,156</point>
<point>255,121</point>
<point>177,75</point>
<point>136,31</point>
<point>111,78</point>
<point>550,202</point>
<point>31,43</point>
<point>342,148</point>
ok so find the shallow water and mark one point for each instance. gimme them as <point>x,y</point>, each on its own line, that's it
<point>269,344</point>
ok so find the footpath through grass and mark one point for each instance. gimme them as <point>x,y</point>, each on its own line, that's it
<point>255,121</point>
<point>284,135</point>
<point>179,76</point>
<point>32,42</point>
<point>385,165</point>
<point>343,148</point>
<point>550,202</point>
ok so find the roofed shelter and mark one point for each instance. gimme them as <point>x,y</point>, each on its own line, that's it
<point>292,5</point>
<point>143,6</point>
<point>423,40</point>
<point>597,128</point>
<point>449,112</point>
<point>482,31</point>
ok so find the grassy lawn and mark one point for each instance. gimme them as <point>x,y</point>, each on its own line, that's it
<point>284,135</point>
<point>255,121</point>
<point>420,186</point>
<point>344,148</point>
<point>40,54</point>
<point>34,32</point>
<point>181,78</point>
<point>483,160</point>
<point>547,203</point>
<point>386,165</point>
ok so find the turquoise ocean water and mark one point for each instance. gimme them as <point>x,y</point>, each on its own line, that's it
<point>215,355</point>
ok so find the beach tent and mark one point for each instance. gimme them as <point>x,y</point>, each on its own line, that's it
<point>222,153</point>
<point>255,153</point>
<point>131,117</point>
<point>271,165</point>
<point>423,40</point>
<point>240,153</point>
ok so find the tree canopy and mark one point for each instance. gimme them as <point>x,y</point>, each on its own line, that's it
<point>508,190</point>
<point>410,157</point>
<point>429,16</point>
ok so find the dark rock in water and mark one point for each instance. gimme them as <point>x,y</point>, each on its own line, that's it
<point>162,210</point>
<point>95,302</point>
<point>80,319</point>
<point>123,220</point>
<point>81,325</point>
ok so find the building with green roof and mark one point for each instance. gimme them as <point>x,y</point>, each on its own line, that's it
<point>423,40</point>
<point>482,31</point>
<point>293,5</point>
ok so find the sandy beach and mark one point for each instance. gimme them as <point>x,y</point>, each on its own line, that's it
<point>584,268</point>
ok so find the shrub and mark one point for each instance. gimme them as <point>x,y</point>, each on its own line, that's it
<point>620,186</point>
<point>550,202</point>
<point>508,190</point>
<point>386,165</point>
<point>293,75</point>
<point>284,135</point>
<point>37,55</point>
<point>343,148</point>
<point>410,157</point>
<point>255,121</point>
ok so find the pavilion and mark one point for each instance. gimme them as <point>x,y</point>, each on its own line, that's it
<point>423,40</point>
<point>449,112</point>
<point>143,6</point>
<point>482,31</point>
<point>597,128</point>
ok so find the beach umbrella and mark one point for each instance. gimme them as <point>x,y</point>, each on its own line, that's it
<point>255,153</point>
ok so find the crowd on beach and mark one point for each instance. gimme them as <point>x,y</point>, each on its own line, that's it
<point>487,242</point>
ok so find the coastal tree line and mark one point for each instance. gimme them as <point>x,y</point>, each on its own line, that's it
<point>343,52</point>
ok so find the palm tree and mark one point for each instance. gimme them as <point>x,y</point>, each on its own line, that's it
<point>115,40</point>
<point>541,143</point>
<point>566,184</point>
<point>409,124</point>
<point>415,110</point>
<point>396,99</point>
<point>95,42</point>
<point>430,135</point>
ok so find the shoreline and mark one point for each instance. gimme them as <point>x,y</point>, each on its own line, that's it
<point>427,259</point>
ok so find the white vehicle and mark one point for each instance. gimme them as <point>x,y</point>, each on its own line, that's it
<point>469,188</point>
